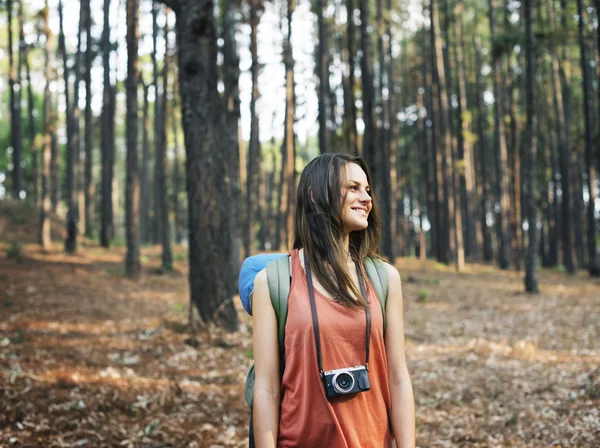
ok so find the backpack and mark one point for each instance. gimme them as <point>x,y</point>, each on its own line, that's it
<point>279,280</point>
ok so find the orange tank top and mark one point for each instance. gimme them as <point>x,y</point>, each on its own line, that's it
<point>308,418</point>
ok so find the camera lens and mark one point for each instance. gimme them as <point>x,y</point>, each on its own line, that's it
<point>343,382</point>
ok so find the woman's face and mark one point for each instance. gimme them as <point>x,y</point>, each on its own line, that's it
<point>357,202</point>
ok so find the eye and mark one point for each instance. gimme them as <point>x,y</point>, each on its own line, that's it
<point>352,187</point>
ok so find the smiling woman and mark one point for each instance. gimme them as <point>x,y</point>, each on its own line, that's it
<point>345,382</point>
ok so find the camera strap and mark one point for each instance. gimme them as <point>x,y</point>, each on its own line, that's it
<point>315,318</point>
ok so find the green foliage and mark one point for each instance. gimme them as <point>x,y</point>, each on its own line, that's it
<point>592,388</point>
<point>15,251</point>
<point>423,296</point>
<point>180,256</point>
<point>505,42</point>
<point>179,307</point>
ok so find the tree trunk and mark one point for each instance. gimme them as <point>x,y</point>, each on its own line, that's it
<point>369,137</point>
<point>144,171</point>
<point>231,76</point>
<point>373,152</point>
<point>483,185</point>
<point>210,240</point>
<point>177,170</point>
<point>597,3</point>
<point>350,96</point>
<point>323,76</point>
<point>530,151</point>
<point>433,211</point>
<point>158,125</point>
<point>108,149</point>
<point>44,226</point>
<point>254,149</point>
<point>593,267</point>
<point>287,181</point>
<point>32,132</point>
<point>132,188</point>
<point>71,219</point>
<point>89,129</point>
<point>500,149</point>
<point>77,168</point>
<point>391,158</point>
<point>54,189</point>
<point>383,154</point>
<point>465,147</point>
<point>453,239</point>
<point>15,109</point>
<point>423,146</point>
<point>161,161</point>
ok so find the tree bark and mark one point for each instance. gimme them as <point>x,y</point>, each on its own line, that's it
<point>231,76</point>
<point>108,150</point>
<point>77,167</point>
<point>54,188</point>
<point>391,159</point>
<point>158,124</point>
<point>350,97</point>
<point>89,129</point>
<point>435,214</point>
<point>453,202</point>
<point>32,132</point>
<point>15,109</point>
<point>369,137</point>
<point>212,280</point>
<point>483,185</point>
<point>44,227</point>
<point>132,188</point>
<point>322,66</point>
<point>287,182</point>
<point>593,267</point>
<point>530,149</point>
<point>464,141</point>
<point>177,171</point>
<point>71,219</point>
<point>500,149</point>
<point>144,172</point>
<point>253,174</point>
<point>161,161</point>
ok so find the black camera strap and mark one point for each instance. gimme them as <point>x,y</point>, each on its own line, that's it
<point>313,308</point>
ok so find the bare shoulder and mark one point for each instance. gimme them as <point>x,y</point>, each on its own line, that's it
<point>393,274</point>
<point>261,278</point>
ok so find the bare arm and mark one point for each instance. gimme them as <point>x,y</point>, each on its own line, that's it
<point>267,384</point>
<point>403,405</point>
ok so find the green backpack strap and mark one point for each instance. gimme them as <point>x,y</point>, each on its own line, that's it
<point>378,275</point>
<point>278,278</point>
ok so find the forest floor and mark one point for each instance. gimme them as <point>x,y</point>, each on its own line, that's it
<point>89,358</point>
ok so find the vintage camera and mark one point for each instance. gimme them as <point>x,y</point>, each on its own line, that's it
<point>346,381</point>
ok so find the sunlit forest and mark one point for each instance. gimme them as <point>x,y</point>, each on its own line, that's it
<point>147,147</point>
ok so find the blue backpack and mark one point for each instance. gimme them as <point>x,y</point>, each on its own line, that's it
<point>279,279</point>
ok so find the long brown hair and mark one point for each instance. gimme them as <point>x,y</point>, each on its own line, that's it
<point>318,226</point>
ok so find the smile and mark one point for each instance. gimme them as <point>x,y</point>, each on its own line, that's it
<point>360,209</point>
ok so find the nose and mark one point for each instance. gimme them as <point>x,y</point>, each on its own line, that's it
<point>365,196</point>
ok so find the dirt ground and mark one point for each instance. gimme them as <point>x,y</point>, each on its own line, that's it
<point>89,358</point>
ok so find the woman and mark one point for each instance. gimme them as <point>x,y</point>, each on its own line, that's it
<point>339,318</point>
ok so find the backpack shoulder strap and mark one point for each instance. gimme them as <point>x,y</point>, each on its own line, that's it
<point>377,273</point>
<point>278,278</point>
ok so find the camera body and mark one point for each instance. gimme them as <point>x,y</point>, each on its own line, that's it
<point>346,381</point>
